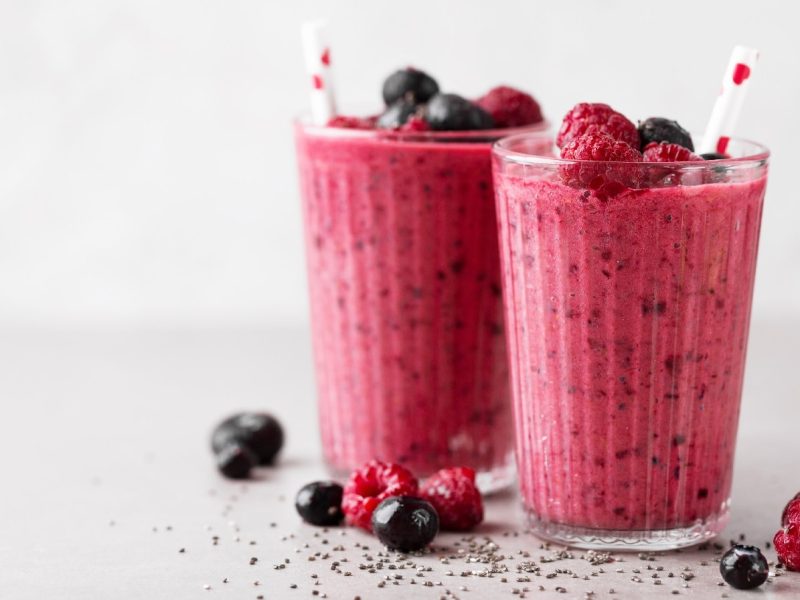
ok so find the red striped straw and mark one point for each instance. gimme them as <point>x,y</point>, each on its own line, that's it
<point>729,102</point>
<point>317,54</point>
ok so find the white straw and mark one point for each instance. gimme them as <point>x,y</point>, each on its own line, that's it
<point>318,67</point>
<point>735,84</point>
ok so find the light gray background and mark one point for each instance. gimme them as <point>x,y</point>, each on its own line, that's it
<point>146,161</point>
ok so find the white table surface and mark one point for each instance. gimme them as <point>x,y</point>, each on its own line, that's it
<point>107,475</point>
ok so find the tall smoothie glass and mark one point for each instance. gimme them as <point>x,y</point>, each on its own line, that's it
<point>406,307</point>
<point>627,290</point>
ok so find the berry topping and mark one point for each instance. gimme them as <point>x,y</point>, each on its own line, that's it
<point>450,112</point>
<point>259,432</point>
<point>345,122</point>
<point>657,129</point>
<point>606,179</point>
<point>585,118</point>
<point>371,484</point>
<point>411,84</point>
<point>405,523</point>
<point>235,461</point>
<point>713,156</point>
<point>415,123</point>
<point>320,503</point>
<point>666,152</point>
<point>744,567</point>
<point>397,114</point>
<point>509,107</point>
<point>599,146</point>
<point>787,545</point>
<point>454,495</point>
<point>791,512</point>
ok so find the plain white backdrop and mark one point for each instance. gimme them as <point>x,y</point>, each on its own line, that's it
<point>147,169</point>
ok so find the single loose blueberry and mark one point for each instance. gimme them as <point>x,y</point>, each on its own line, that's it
<point>320,503</point>
<point>451,112</point>
<point>658,129</point>
<point>397,114</point>
<point>261,433</point>
<point>405,523</point>
<point>409,83</point>
<point>744,567</point>
<point>235,461</point>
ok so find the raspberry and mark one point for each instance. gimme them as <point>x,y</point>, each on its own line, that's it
<point>415,124</point>
<point>370,485</point>
<point>510,107</point>
<point>585,118</point>
<point>787,545</point>
<point>345,122</point>
<point>455,497</point>
<point>791,513</point>
<point>666,152</point>
<point>605,178</point>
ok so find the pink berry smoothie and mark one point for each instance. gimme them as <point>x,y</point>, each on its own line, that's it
<point>627,320</point>
<point>406,306</point>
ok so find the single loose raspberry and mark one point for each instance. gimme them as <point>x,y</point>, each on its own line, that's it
<point>791,513</point>
<point>345,122</point>
<point>667,152</point>
<point>510,107</point>
<point>370,485</point>
<point>787,545</point>
<point>455,497</point>
<point>585,118</point>
<point>596,171</point>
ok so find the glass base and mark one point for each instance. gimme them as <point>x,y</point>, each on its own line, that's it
<point>614,539</point>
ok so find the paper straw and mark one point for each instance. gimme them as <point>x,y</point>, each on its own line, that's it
<point>729,102</point>
<point>318,67</point>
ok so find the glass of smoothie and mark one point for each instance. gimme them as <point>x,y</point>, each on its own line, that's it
<point>405,293</point>
<point>627,289</point>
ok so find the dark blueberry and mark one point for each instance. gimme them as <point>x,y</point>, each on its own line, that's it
<point>450,112</point>
<point>657,129</point>
<point>405,523</point>
<point>744,567</point>
<point>260,432</point>
<point>397,114</point>
<point>713,156</point>
<point>235,461</point>
<point>411,84</point>
<point>320,503</point>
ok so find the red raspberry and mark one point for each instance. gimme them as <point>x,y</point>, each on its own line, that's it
<point>666,152</point>
<point>585,118</point>
<point>345,122</point>
<point>510,107</point>
<point>455,497</point>
<point>415,123</point>
<point>370,485</point>
<point>791,513</point>
<point>606,179</point>
<point>787,545</point>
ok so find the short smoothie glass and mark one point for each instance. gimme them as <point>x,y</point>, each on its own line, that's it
<point>627,289</point>
<point>406,306</point>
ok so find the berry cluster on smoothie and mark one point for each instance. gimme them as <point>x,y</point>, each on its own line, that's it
<point>414,102</point>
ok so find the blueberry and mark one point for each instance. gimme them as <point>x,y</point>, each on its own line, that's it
<point>416,86</point>
<point>259,432</point>
<point>744,567</point>
<point>405,523</point>
<point>235,461</point>
<point>657,129</point>
<point>397,114</point>
<point>713,156</point>
<point>451,112</point>
<point>320,503</point>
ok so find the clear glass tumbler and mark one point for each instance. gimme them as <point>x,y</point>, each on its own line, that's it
<point>627,290</point>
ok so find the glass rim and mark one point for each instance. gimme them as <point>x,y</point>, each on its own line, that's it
<point>502,148</point>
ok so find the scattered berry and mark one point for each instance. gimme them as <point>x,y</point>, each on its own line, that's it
<point>320,503</point>
<point>744,567</point>
<point>397,114</point>
<point>450,112</point>
<point>787,545</point>
<point>235,461</point>
<point>586,118</point>
<point>371,484</point>
<point>405,523</point>
<point>791,512</point>
<point>657,129</point>
<point>259,432</point>
<point>345,122</point>
<point>510,107</point>
<point>411,84</point>
<point>667,152</point>
<point>713,156</point>
<point>456,498</point>
<point>602,177</point>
